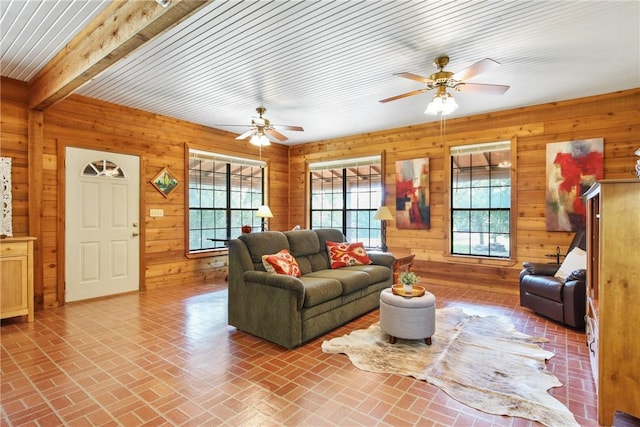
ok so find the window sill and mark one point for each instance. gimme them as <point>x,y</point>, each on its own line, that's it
<point>480,260</point>
<point>207,253</point>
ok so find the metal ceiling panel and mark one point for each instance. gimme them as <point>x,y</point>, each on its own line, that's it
<point>324,64</point>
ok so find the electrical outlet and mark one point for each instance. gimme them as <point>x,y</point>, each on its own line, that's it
<point>156,212</point>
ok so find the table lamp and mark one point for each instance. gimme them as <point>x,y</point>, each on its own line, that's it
<point>265,213</point>
<point>383,214</point>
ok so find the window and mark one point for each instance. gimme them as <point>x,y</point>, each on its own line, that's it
<point>481,200</point>
<point>345,195</point>
<point>224,194</point>
<point>105,168</point>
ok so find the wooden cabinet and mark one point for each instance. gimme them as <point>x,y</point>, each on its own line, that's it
<point>613,295</point>
<point>16,277</point>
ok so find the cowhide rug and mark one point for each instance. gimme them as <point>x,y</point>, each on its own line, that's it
<point>482,362</point>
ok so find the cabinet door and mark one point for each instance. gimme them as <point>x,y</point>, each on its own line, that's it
<point>13,275</point>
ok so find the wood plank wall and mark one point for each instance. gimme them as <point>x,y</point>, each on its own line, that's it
<point>614,117</point>
<point>159,142</point>
<point>13,143</point>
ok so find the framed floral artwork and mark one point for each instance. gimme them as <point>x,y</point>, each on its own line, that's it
<point>165,182</point>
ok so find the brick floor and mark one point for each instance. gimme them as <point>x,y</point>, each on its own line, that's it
<point>168,357</point>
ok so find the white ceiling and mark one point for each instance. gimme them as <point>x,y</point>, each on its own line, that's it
<point>324,65</point>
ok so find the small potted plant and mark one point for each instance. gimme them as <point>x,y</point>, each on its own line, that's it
<point>408,279</point>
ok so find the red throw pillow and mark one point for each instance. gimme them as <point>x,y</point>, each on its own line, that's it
<point>281,263</point>
<point>345,254</point>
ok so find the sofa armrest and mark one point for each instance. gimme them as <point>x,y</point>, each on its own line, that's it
<point>540,269</point>
<point>380,258</point>
<point>580,274</point>
<point>281,281</point>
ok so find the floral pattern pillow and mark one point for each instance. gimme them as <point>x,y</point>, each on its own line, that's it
<point>346,254</point>
<point>281,263</point>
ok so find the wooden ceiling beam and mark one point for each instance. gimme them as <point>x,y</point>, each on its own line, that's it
<point>121,28</point>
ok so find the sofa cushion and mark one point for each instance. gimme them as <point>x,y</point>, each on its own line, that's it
<point>303,242</point>
<point>548,287</point>
<point>377,273</point>
<point>305,247</point>
<point>318,261</point>
<point>319,289</point>
<point>346,254</point>
<point>351,280</point>
<point>265,243</point>
<point>281,263</point>
<point>353,300</point>
<point>313,262</point>
<point>327,235</point>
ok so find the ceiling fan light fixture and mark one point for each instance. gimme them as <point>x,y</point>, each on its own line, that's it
<point>259,139</point>
<point>260,127</point>
<point>443,103</point>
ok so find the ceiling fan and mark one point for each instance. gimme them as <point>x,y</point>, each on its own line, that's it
<point>443,80</point>
<point>261,128</point>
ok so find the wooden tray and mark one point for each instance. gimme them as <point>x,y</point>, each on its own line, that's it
<point>418,291</point>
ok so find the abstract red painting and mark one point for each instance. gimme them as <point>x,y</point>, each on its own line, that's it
<point>412,194</point>
<point>572,167</point>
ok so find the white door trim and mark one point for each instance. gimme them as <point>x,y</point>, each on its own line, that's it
<point>102,241</point>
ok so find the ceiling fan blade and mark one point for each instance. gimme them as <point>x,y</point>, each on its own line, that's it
<point>274,133</point>
<point>479,67</point>
<point>246,134</point>
<point>484,88</point>
<point>244,126</point>
<point>285,127</point>
<point>415,77</point>
<point>404,95</point>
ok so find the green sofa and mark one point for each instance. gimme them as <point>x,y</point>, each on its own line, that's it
<point>288,310</point>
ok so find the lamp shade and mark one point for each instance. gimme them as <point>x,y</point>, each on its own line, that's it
<point>442,103</point>
<point>264,212</point>
<point>383,213</point>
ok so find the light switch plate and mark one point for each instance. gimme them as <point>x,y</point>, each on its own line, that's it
<point>156,212</point>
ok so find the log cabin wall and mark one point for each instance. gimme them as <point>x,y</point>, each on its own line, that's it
<point>159,142</point>
<point>614,117</point>
<point>13,143</point>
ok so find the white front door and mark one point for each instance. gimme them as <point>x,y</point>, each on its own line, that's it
<point>102,255</point>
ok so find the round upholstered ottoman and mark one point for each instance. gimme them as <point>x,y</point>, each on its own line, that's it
<point>410,318</point>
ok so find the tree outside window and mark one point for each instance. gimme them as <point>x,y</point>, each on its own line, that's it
<point>345,195</point>
<point>481,200</point>
<point>224,195</point>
